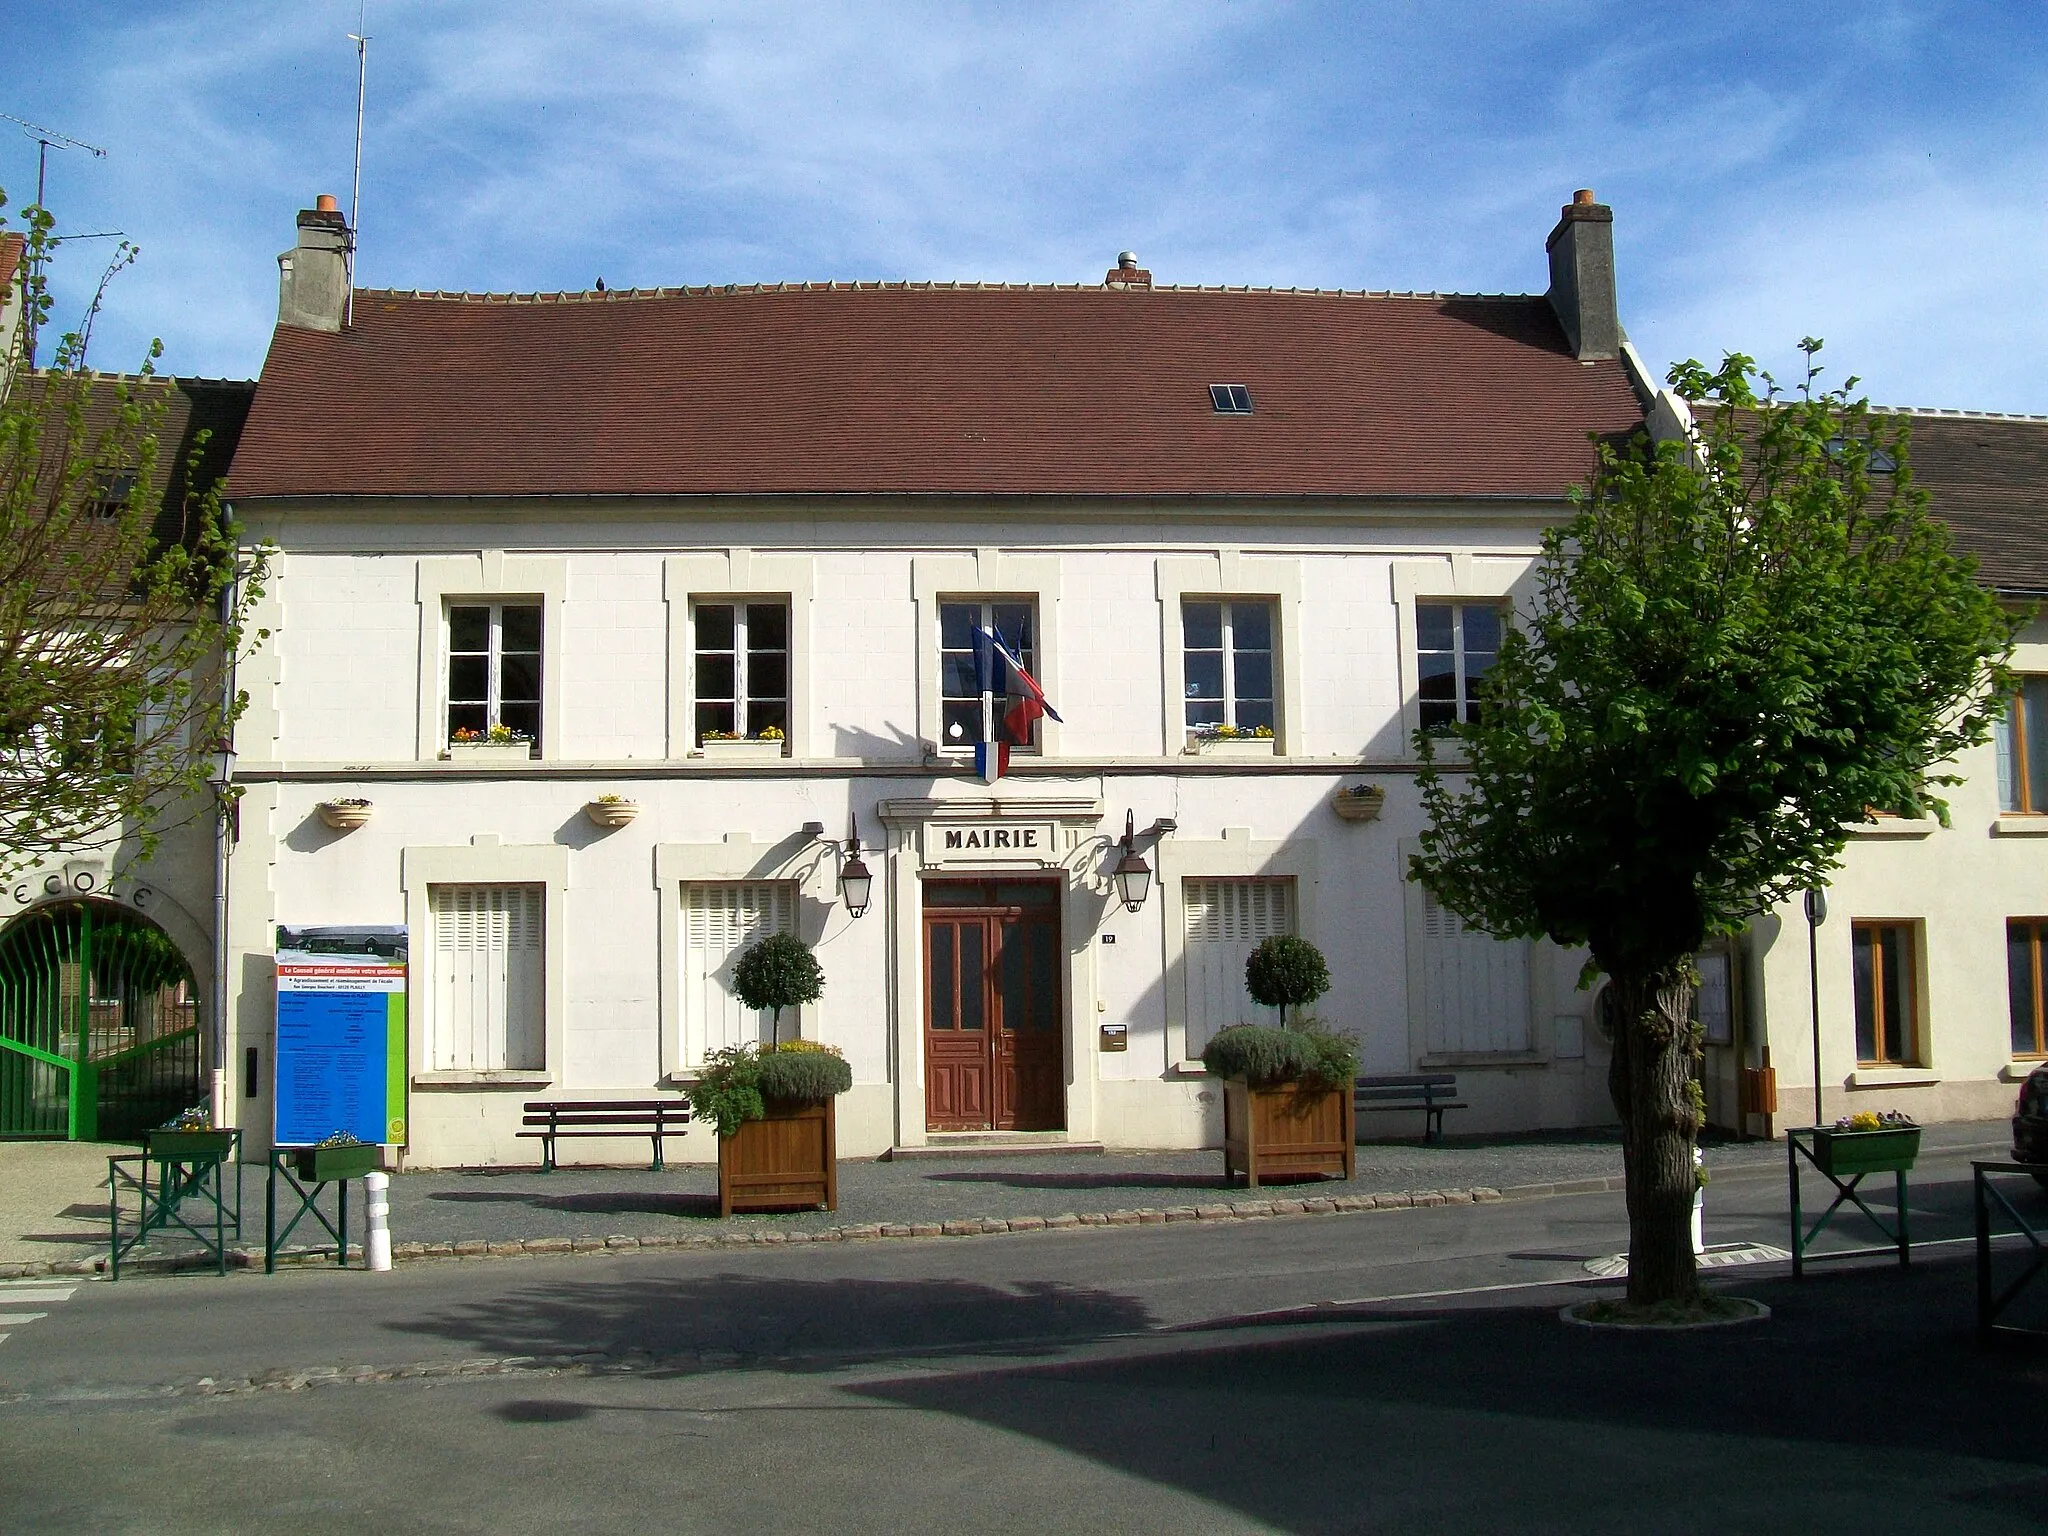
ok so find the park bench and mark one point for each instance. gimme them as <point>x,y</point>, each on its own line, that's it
<point>1430,1092</point>
<point>550,1119</point>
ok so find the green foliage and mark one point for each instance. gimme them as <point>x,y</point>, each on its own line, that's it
<point>115,622</point>
<point>1263,1056</point>
<point>1741,646</point>
<point>777,972</point>
<point>1286,972</point>
<point>803,1077</point>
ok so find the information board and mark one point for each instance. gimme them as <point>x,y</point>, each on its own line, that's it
<point>340,1058</point>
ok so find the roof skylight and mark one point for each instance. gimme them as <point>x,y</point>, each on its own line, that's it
<point>1230,399</point>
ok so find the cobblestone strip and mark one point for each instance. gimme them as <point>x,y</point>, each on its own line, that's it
<point>971,1226</point>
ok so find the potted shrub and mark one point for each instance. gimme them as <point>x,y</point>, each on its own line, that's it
<point>772,1106</point>
<point>1287,1106</point>
<point>346,813</point>
<point>1867,1142</point>
<point>611,810</point>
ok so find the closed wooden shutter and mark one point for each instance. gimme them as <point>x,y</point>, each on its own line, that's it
<point>489,973</point>
<point>721,918</point>
<point>1223,921</point>
<point>1475,989</point>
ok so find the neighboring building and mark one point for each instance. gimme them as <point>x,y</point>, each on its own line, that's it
<point>1933,957</point>
<point>622,523</point>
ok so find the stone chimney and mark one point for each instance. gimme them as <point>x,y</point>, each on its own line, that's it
<point>1127,273</point>
<point>1582,277</point>
<point>313,276</point>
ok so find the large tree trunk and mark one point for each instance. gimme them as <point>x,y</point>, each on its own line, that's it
<point>1656,1048</point>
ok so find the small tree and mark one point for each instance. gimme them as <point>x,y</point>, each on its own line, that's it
<point>778,972</point>
<point>117,622</point>
<point>1742,646</point>
<point>1286,972</point>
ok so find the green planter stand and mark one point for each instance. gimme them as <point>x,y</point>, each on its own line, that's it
<point>172,1168</point>
<point>306,1172</point>
<point>1992,1299</point>
<point>1845,1159</point>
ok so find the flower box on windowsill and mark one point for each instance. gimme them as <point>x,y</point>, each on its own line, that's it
<point>740,751</point>
<point>489,752</point>
<point>1231,746</point>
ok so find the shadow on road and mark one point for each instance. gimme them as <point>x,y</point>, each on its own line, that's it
<point>651,1203</point>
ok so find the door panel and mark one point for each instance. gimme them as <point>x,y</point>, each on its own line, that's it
<point>994,1058</point>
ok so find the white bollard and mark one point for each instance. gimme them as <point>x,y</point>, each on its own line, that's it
<point>377,1201</point>
<point>1699,1206</point>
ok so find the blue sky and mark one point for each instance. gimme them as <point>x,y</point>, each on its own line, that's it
<point>1866,172</point>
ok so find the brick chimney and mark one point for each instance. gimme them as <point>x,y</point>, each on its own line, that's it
<point>1127,273</point>
<point>313,276</point>
<point>1582,277</point>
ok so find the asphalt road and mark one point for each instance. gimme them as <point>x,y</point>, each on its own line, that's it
<point>1239,1376</point>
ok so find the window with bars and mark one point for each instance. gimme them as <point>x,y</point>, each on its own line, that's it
<point>2024,979</point>
<point>742,669</point>
<point>2022,745</point>
<point>719,919</point>
<point>1474,988</point>
<point>489,999</point>
<point>1227,664</point>
<point>1886,959</point>
<point>494,660</point>
<point>1456,645</point>
<point>1223,921</point>
<point>972,704</point>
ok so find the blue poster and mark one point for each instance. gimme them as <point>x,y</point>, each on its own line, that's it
<point>340,1054</point>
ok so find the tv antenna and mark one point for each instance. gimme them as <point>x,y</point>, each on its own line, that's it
<point>48,139</point>
<point>361,38</point>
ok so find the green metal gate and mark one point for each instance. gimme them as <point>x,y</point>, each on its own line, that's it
<point>99,1028</point>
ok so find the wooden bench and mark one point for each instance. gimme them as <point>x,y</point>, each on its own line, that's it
<point>1430,1092</point>
<point>655,1118</point>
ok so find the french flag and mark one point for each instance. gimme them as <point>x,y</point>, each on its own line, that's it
<point>1000,672</point>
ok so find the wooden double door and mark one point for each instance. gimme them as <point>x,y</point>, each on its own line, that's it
<point>992,1042</point>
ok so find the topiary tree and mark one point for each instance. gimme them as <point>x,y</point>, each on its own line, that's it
<point>1286,972</point>
<point>778,972</point>
<point>1742,645</point>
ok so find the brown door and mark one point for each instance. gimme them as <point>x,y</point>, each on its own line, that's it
<point>993,1059</point>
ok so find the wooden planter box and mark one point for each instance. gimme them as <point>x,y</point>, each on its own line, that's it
<point>1290,1131</point>
<point>323,1165</point>
<point>788,1161</point>
<point>741,751</point>
<point>189,1146</point>
<point>1845,1152</point>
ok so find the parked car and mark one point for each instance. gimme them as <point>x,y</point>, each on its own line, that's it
<point>2030,1123</point>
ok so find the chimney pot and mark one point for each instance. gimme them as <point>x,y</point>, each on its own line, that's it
<point>1583,197</point>
<point>325,203</point>
<point>1127,259</point>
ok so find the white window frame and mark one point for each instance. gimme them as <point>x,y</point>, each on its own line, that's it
<point>992,710</point>
<point>1231,606</point>
<point>439,1034</point>
<point>487,577</point>
<point>1227,575</point>
<point>494,659</point>
<point>485,861</point>
<point>1458,577</point>
<point>1234,856</point>
<point>741,651</point>
<point>1464,700</point>
<point>736,575</point>
<point>993,575</point>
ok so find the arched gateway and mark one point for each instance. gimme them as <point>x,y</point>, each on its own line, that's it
<point>99,1025</point>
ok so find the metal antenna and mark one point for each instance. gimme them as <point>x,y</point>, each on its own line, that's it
<point>361,38</point>
<point>46,140</point>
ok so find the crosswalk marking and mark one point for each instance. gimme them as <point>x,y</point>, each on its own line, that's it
<point>14,1293</point>
<point>16,1319</point>
<point>37,1298</point>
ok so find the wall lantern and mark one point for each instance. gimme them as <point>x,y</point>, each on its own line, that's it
<point>855,883</point>
<point>1133,874</point>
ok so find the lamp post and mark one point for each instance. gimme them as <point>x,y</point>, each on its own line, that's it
<point>855,883</point>
<point>1816,914</point>
<point>1133,874</point>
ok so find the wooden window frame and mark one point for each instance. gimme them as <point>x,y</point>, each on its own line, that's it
<point>2036,944</point>
<point>2017,765</point>
<point>1909,1052</point>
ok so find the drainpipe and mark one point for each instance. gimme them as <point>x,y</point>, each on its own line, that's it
<point>218,1097</point>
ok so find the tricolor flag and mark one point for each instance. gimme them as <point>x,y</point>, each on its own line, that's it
<point>1000,672</point>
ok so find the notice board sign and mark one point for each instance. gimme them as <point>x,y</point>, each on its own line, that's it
<point>340,1054</point>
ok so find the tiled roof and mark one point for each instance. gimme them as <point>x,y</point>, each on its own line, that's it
<point>1986,476</point>
<point>961,389</point>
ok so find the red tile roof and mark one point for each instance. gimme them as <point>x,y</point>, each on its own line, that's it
<point>936,389</point>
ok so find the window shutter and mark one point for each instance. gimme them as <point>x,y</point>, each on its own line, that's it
<point>1223,921</point>
<point>1475,988</point>
<point>721,918</point>
<point>489,973</point>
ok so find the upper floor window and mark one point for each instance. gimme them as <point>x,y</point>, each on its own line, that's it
<point>2022,737</point>
<point>1887,993</point>
<point>1227,665</point>
<point>494,655</point>
<point>1456,645</point>
<point>974,688</point>
<point>742,670</point>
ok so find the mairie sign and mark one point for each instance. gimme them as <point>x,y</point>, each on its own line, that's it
<point>340,1035</point>
<point>991,843</point>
